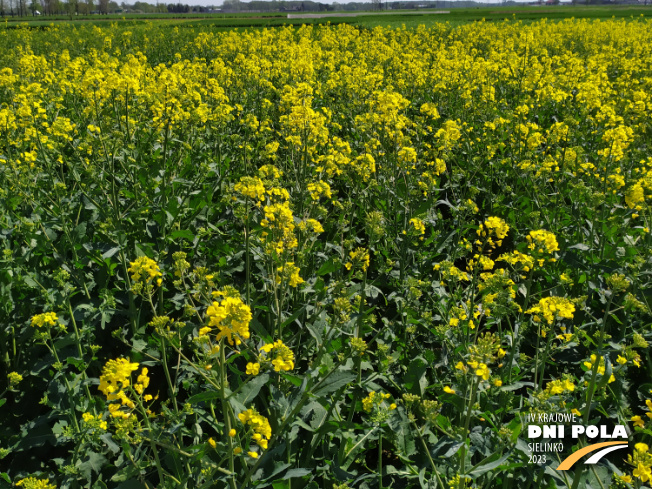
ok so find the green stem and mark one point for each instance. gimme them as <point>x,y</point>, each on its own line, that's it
<point>152,444</point>
<point>164,361</point>
<point>591,388</point>
<point>467,422</point>
<point>225,411</point>
<point>363,298</point>
<point>545,359</point>
<point>79,348</point>
<point>68,388</point>
<point>380,460</point>
<point>288,419</point>
<point>247,263</point>
<point>132,302</point>
<point>427,452</point>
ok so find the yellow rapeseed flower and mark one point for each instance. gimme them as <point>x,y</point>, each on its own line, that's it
<point>231,316</point>
<point>44,319</point>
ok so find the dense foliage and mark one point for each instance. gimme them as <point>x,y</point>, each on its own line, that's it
<point>322,256</point>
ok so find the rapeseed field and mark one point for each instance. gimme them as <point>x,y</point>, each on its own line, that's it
<point>325,257</point>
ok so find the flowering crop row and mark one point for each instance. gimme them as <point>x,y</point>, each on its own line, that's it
<point>322,257</point>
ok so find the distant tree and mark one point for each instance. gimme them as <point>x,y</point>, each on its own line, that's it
<point>232,5</point>
<point>73,7</point>
<point>145,7</point>
<point>179,8</point>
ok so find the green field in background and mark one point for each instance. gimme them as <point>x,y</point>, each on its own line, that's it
<point>408,18</point>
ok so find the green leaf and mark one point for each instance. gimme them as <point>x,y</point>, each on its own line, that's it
<point>334,382</point>
<point>248,392</point>
<point>77,363</point>
<point>415,379</point>
<point>292,473</point>
<point>328,267</point>
<point>516,385</point>
<point>203,397</point>
<point>491,462</point>
<point>184,234</point>
<point>111,252</point>
<point>293,379</point>
<point>59,427</point>
<point>93,463</point>
<point>293,318</point>
<point>36,435</point>
<point>316,328</point>
<point>108,439</point>
<point>422,479</point>
<point>80,231</point>
<point>277,469</point>
<point>579,246</point>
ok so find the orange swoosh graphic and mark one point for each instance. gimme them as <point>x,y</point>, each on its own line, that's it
<point>574,457</point>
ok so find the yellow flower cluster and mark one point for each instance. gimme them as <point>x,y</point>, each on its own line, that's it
<point>601,367</point>
<point>282,356</point>
<point>252,368</point>
<point>486,350</point>
<point>638,420</point>
<point>458,314</point>
<point>641,460</point>
<point>556,387</point>
<point>279,220</point>
<point>34,483</point>
<point>289,273</point>
<point>231,317</point>
<point>146,271</point>
<point>14,378</point>
<point>542,241</point>
<point>44,319</point>
<point>451,272</point>
<point>419,225</point>
<point>484,262</point>
<point>262,431</point>
<point>359,259</point>
<point>94,422</point>
<point>492,227</point>
<point>270,173</point>
<point>552,308</point>
<point>521,261</point>
<point>115,378</point>
<point>251,187</point>
<point>375,400</point>
<point>311,225</point>
<point>364,166</point>
<point>481,369</point>
<point>319,189</point>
